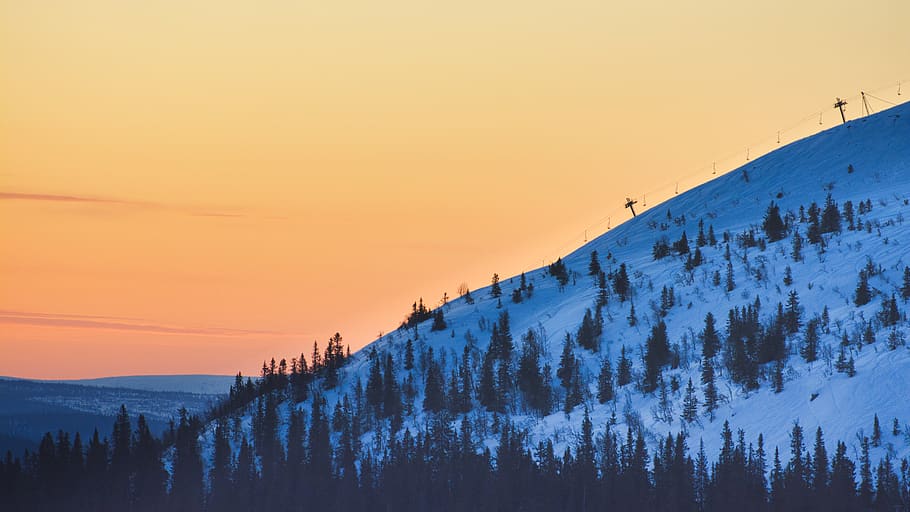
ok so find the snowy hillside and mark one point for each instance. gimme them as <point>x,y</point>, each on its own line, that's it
<point>865,163</point>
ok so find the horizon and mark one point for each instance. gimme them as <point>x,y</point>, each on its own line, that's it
<point>175,211</point>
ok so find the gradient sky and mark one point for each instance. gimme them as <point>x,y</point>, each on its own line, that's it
<point>191,187</point>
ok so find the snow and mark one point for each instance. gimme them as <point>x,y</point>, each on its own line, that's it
<point>876,148</point>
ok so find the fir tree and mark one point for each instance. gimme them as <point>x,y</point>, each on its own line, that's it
<point>434,390</point>
<point>690,404</point>
<point>905,287</point>
<point>594,265</point>
<point>587,335</point>
<point>707,379</point>
<point>621,283</point>
<point>876,432</point>
<point>863,294</point>
<point>495,289</point>
<point>709,337</point>
<point>773,225</point>
<point>777,378</point>
<point>797,250</point>
<point>623,369</point>
<point>605,382</point>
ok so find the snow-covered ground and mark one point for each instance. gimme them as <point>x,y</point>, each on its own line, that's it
<point>865,159</point>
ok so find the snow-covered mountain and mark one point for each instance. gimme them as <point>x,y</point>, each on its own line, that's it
<point>865,163</point>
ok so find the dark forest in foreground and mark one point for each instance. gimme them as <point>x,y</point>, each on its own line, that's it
<point>439,468</point>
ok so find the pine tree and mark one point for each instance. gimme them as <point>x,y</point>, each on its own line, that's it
<point>566,363</point>
<point>391,403</point>
<point>605,382</point>
<point>707,378</point>
<point>657,354</point>
<point>560,272</point>
<point>730,283</point>
<point>863,294</point>
<point>586,335</point>
<point>409,355</point>
<point>788,276</point>
<point>439,321</point>
<point>621,283</point>
<point>773,225</point>
<point>794,311</point>
<point>594,265</point>
<point>495,289</point>
<point>186,486</point>
<point>905,287</point>
<point>632,318</point>
<point>690,404</point>
<point>709,337</point>
<point>809,349</point>
<point>777,378</point>
<point>797,250</point>
<point>876,432</point>
<point>830,221</point>
<point>434,390</point>
<point>865,477</point>
<point>374,391</point>
<point>487,392</point>
<point>820,468</point>
<point>623,369</point>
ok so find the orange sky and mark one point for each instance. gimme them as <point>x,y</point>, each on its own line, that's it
<point>191,187</point>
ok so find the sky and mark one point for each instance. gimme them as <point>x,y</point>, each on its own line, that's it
<point>194,187</point>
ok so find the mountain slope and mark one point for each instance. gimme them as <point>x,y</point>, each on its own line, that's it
<point>865,162</point>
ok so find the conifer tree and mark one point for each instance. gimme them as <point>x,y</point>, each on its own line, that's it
<point>707,379</point>
<point>594,265</point>
<point>605,382</point>
<point>621,283</point>
<point>876,432</point>
<point>797,249</point>
<point>586,336</point>
<point>623,369</point>
<point>709,337</point>
<point>809,349</point>
<point>773,225</point>
<point>495,289</point>
<point>434,390</point>
<point>863,294</point>
<point>690,404</point>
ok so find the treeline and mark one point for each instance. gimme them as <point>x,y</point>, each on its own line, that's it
<point>445,465</point>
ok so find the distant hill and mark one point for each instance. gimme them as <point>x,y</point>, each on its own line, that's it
<point>28,408</point>
<point>201,384</point>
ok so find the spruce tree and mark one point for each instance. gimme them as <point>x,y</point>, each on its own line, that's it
<point>495,289</point>
<point>773,225</point>
<point>594,265</point>
<point>863,294</point>
<point>876,432</point>
<point>690,404</point>
<point>707,379</point>
<point>623,369</point>
<point>709,337</point>
<point>434,390</point>
<point>605,382</point>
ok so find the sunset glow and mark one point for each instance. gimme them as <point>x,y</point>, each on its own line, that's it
<point>193,187</point>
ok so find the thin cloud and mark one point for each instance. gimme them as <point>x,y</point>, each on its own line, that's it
<point>93,322</point>
<point>122,203</point>
<point>63,198</point>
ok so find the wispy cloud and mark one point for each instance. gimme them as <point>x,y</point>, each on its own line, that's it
<point>40,319</point>
<point>64,198</point>
<point>118,203</point>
